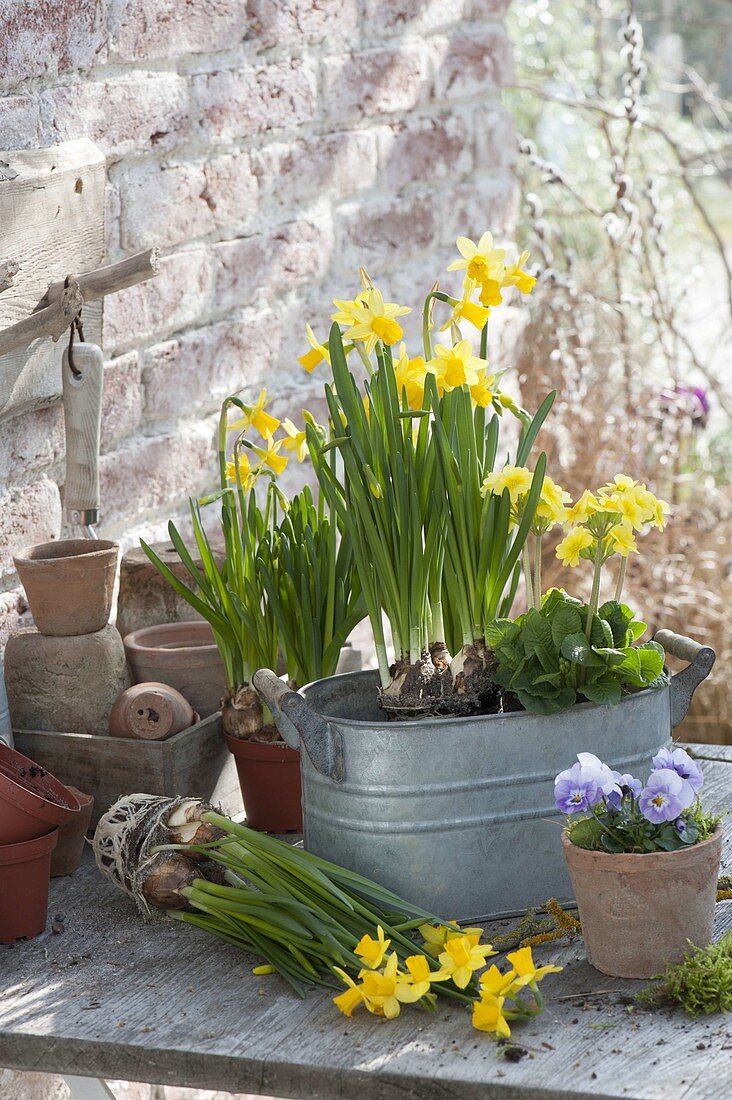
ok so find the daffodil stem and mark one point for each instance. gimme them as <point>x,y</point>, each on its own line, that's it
<point>526,559</point>
<point>621,579</point>
<point>364,356</point>
<point>484,341</point>
<point>426,339</point>
<point>383,663</point>
<point>537,571</point>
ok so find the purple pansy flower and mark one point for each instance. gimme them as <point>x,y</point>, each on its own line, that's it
<point>627,784</point>
<point>575,790</point>
<point>680,825</point>
<point>679,761</point>
<point>665,795</point>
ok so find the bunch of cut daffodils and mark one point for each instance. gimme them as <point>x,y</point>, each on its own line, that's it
<point>496,998</point>
<point>416,440</point>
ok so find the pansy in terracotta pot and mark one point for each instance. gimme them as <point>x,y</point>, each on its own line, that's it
<point>643,858</point>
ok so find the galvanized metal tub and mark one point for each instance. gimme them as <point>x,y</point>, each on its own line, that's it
<point>458,815</point>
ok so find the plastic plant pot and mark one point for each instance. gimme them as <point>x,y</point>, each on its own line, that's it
<point>32,801</point>
<point>269,777</point>
<point>25,871</point>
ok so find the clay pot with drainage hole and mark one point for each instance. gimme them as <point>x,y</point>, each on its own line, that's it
<point>25,871</point>
<point>69,584</point>
<point>182,655</point>
<point>32,801</point>
<point>150,712</point>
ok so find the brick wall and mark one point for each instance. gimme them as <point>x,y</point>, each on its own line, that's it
<point>268,147</point>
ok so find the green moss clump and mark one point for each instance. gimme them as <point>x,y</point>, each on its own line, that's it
<point>701,983</point>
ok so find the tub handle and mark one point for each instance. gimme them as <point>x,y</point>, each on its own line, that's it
<point>300,725</point>
<point>684,683</point>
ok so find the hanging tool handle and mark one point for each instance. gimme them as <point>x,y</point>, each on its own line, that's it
<point>82,394</point>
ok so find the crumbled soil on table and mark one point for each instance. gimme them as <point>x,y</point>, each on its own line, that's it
<point>32,779</point>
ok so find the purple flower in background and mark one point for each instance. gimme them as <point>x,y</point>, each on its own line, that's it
<point>665,795</point>
<point>575,790</point>
<point>680,825</point>
<point>604,776</point>
<point>627,784</point>
<point>680,762</point>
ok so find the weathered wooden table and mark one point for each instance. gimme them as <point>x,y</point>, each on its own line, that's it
<point>111,997</point>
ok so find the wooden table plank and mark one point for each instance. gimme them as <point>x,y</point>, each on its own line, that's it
<point>112,997</point>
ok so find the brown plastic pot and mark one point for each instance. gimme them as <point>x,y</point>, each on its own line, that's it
<point>32,801</point>
<point>640,912</point>
<point>67,854</point>
<point>25,870</point>
<point>69,584</point>
<point>182,655</point>
<point>269,777</point>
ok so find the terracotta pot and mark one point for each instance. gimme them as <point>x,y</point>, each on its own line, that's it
<point>638,911</point>
<point>150,712</point>
<point>67,854</point>
<point>25,870</point>
<point>32,802</point>
<point>269,777</point>
<point>182,655</point>
<point>69,584</point>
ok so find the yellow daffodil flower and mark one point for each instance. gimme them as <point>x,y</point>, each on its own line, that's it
<point>409,375</point>
<point>465,310</point>
<point>517,479</point>
<point>482,392</point>
<point>480,261</point>
<point>318,352</point>
<point>345,314</point>
<point>384,992</point>
<point>420,973</point>
<point>271,457</point>
<point>516,276</point>
<point>296,441</point>
<point>351,997</point>
<point>463,955</point>
<point>582,509</point>
<point>490,293</point>
<point>455,366</point>
<point>527,973</point>
<point>256,417</point>
<point>622,540</point>
<point>488,1016</point>
<point>492,981</point>
<point>371,950</point>
<point>572,545</point>
<point>243,467</point>
<point>375,320</point>
<point>435,935</point>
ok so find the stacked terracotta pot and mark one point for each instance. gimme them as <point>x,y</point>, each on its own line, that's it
<point>34,807</point>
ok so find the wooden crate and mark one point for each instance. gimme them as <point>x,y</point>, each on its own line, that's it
<point>195,762</point>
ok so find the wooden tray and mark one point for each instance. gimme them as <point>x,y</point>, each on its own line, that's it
<point>194,762</point>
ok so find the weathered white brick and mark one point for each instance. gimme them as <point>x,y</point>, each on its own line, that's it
<point>251,100</point>
<point>30,443</point>
<point>28,515</point>
<point>379,81</point>
<point>19,122</point>
<point>50,36</point>
<point>425,149</point>
<point>135,114</point>
<point>231,191</point>
<point>274,23</point>
<point>163,204</point>
<point>473,65</point>
<point>123,398</point>
<point>377,233</point>
<point>337,165</point>
<point>171,28</point>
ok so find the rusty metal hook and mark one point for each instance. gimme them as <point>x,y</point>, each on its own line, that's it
<point>75,327</point>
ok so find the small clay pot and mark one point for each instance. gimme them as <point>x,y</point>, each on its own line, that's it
<point>67,854</point>
<point>150,712</point>
<point>639,912</point>
<point>269,777</point>
<point>69,584</point>
<point>25,870</point>
<point>182,655</point>
<point>33,803</point>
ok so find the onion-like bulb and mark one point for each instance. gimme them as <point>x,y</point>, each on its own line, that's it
<point>165,877</point>
<point>185,825</point>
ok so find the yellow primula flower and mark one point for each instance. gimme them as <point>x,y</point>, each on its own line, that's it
<point>572,545</point>
<point>661,511</point>
<point>256,417</point>
<point>271,457</point>
<point>582,509</point>
<point>409,375</point>
<point>463,955</point>
<point>375,320</point>
<point>297,441</point>
<point>455,366</point>
<point>480,261</point>
<point>622,540</point>
<point>516,276</point>
<point>517,479</point>
<point>552,504</point>
<point>243,468</point>
<point>465,310</point>
<point>482,392</point>
<point>488,1016</point>
<point>621,483</point>
<point>527,973</point>
<point>318,352</point>
<point>371,950</point>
